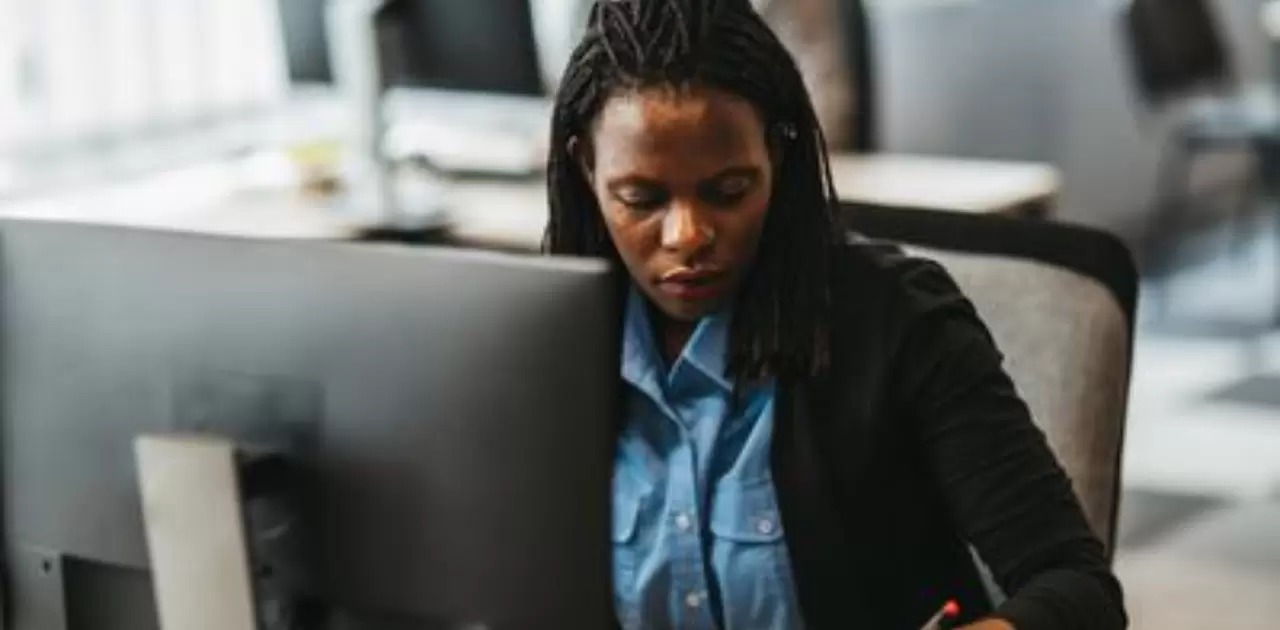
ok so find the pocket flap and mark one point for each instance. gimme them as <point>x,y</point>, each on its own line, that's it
<point>746,513</point>
<point>626,507</point>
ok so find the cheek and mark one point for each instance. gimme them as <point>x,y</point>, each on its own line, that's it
<point>751,218</point>
<point>611,216</point>
<point>634,237</point>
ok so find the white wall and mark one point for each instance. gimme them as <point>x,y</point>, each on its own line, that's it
<point>74,70</point>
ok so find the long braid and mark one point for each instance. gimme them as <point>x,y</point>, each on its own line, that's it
<point>781,321</point>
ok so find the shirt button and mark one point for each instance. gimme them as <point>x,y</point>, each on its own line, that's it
<point>764,526</point>
<point>693,600</point>
<point>683,522</point>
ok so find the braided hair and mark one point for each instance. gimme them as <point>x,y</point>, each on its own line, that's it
<point>780,324</point>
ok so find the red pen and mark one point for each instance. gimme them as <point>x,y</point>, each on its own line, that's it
<point>945,619</point>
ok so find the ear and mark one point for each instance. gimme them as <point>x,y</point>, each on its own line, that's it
<point>580,154</point>
<point>780,137</point>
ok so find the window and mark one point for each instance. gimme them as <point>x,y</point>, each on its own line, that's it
<point>76,73</point>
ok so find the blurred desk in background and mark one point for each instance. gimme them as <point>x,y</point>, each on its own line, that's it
<point>209,199</point>
<point>511,214</point>
<point>1026,189</point>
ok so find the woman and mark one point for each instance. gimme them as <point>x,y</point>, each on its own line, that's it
<point>815,430</point>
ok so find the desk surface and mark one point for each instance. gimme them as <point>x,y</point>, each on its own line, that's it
<point>511,214</point>
<point>205,200</point>
<point>960,185</point>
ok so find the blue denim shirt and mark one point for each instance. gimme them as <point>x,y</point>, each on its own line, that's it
<point>697,539</point>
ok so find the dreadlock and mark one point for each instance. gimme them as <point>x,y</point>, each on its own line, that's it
<point>780,324</point>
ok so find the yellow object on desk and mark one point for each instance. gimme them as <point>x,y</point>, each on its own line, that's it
<point>319,165</point>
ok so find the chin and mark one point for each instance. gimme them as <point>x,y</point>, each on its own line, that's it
<point>687,312</point>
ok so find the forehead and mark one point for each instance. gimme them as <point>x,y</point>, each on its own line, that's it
<point>672,131</point>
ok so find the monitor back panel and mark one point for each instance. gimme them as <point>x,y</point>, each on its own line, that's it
<point>460,406</point>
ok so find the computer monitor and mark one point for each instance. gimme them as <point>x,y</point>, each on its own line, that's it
<point>305,40</point>
<point>457,406</point>
<point>465,45</point>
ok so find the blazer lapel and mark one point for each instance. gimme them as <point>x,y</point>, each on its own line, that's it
<point>819,552</point>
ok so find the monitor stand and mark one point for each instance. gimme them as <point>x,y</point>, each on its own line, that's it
<point>218,561</point>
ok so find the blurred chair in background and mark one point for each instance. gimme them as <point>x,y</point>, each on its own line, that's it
<point>1181,64</point>
<point>1060,302</point>
<point>812,31</point>
<point>859,42</point>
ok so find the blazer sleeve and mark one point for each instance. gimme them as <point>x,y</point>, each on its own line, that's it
<point>1003,486</point>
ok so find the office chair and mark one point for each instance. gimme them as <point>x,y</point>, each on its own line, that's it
<point>1179,60</point>
<point>1060,302</point>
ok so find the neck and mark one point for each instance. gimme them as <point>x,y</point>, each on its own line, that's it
<point>675,336</point>
<point>672,335</point>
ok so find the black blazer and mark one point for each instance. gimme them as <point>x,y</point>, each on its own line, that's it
<point>913,446</point>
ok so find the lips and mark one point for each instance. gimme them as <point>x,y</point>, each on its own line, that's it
<point>692,284</point>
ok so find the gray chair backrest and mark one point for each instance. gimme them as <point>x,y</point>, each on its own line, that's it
<point>1066,343</point>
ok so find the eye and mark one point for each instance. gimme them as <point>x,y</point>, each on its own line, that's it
<point>735,185</point>
<point>640,197</point>
<point>730,190</point>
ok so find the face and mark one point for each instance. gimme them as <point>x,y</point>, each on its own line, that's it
<point>683,179</point>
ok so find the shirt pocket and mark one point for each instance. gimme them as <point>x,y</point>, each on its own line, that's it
<point>746,513</point>
<point>750,556</point>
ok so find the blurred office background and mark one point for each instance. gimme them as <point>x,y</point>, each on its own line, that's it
<point>95,92</point>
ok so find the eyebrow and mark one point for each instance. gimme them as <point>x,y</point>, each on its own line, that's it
<point>751,172</point>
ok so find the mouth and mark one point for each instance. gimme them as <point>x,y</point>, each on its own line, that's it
<point>692,284</point>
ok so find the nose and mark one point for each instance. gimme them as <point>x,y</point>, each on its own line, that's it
<point>684,230</point>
